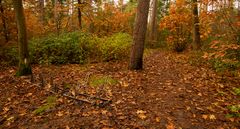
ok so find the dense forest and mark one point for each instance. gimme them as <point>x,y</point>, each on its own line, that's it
<point>170,64</point>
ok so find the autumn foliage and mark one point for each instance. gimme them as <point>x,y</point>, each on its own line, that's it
<point>178,23</point>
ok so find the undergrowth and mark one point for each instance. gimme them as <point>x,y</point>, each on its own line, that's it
<point>71,48</point>
<point>101,80</point>
<point>50,103</point>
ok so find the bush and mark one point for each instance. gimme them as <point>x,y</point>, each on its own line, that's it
<point>8,56</point>
<point>116,47</point>
<point>74,48</point>
<point>66,48</point>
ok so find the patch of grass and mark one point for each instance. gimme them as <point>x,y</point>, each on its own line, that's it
<point>104,80</point>
<point>66,86</point>
<point>236,91</point>
<point>234,111</point>
<point>50,103</point>
<point>147,52</point>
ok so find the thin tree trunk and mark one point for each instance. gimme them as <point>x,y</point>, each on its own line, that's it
<point>153,23</point>
<point>24,62</point>
<point>206,6</point>
<point>140,27</point>
<point>56,16</point>
<point>5,30</point>
<point>196,31</point>
<point>91,24</point>
<point>238,8</point>
<point>79,15</point>
<point>120,2</point>
<point>41,12</point>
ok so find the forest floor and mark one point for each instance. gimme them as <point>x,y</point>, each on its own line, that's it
<point>169,93</point>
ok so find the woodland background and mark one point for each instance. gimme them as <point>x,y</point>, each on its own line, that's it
<point>85,29</point>
<point>188,52</point>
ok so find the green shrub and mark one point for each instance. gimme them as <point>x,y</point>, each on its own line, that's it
<point>8,56</point>
<point>116,47</point>
<point>72,47</point>
<point>220,66</point>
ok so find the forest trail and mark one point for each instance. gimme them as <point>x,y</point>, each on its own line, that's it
<point>168,93</point>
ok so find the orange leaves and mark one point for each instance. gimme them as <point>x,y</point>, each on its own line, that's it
<point>178,23</point>
<point>109,20</point>
<point>220,49</point>
<point>209,117</point>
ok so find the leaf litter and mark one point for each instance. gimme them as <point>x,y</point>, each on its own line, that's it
<point>168,93</point>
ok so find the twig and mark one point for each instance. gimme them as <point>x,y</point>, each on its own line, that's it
<point>71,97</point>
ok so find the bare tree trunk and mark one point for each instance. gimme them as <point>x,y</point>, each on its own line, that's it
<point>91,25</point>
<point>196,31</point>
<point>239,8</point>
<point>56,16</point>
<point>5,30</point>
<point>153,23</point>
<point>139,32</point>
<point>79,15</point>
<point>206,6</point>
<point>24,62</point>
<point>120,2</point>
<point>41,12</point>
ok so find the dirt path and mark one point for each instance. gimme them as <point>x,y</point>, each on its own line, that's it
<point>168,93</point>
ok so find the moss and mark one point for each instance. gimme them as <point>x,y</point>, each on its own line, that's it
<point>105,80</point>
<point>50,103</point>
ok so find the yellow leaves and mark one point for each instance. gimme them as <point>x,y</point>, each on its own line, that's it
<point>124,84</point>
<point>210,117</point>
<point>141,114</point>
<point>10,118</point>
<point>60,113</point>
<point>157,119</point>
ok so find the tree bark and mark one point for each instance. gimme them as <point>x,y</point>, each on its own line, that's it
<point>238,8</point>
<point>56,16</point>
<point>41,12</point>
<point>5,30</point>
<point>196,31</point>
<point>139,32</point>
<point>153,23</point>
<point>24,62</point>
<point>79,15</point>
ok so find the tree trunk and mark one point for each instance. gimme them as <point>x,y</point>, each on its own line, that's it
<point>139,32</point>
<point>24,62</point>
<point>153,23</point>
<point>196,31</point>
<point>238,8</point>
<point>120,2</point>
<point>5,30</point>
<point>56,16</point>
<point>91,24</point>
<point>79,15</point>
<point>41,12</point>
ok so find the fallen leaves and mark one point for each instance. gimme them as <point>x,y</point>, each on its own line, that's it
<point>142,97</point>
<point>157,119</point>
<point>60,113</point>
<point>170,126</point>
<point>210,117</point>
<point>141,114</point>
